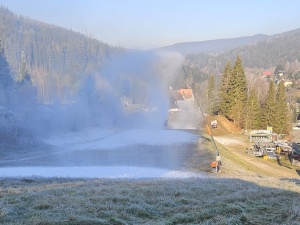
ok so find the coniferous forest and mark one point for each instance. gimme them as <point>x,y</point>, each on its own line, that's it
<point>56,58</point>
<point>240,103</point>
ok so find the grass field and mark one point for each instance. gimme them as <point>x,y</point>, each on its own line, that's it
<point>246,198</point>
<point>179,201</point>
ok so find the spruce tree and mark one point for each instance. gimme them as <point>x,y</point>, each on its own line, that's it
<point>280,126</point>
<point>253,113</point>
<point>25,95</point>
<point>238,93</point>
<point>6,81</point>
<point>23,75</point>
<point>212,95</point>
<point>269,109</point>
<point>225,103</point>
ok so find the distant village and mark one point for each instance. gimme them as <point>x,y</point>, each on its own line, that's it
<point>277,77</point>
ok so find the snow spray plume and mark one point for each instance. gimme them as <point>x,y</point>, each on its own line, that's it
<point>137,85</point>
<point>188,114</point>
<point>132,91</point>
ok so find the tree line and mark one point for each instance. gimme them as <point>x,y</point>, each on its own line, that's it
<point>235,99</point>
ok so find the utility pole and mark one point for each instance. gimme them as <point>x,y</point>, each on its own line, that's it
<point>207,124</point>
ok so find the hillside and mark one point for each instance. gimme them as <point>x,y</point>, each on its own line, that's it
<point>213,46</point>
<point>225,127</point>
<point>56,58</point>
<point>53,48</point>
<point>283,49</point>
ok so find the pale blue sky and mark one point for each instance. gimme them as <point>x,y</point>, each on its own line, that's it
<point>145,24</point>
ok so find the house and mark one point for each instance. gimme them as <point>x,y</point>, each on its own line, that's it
<point>182,99</point>
<point>267,74</point>
<point>183,114</point>
<point>187,94</point>
<point>280,73</point>
<point>288,83</point>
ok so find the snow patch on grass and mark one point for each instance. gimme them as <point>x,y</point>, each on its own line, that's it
<point>95,172</point>
<point>109,139</point>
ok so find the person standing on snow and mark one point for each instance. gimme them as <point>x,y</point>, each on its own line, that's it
<point>219,162</point>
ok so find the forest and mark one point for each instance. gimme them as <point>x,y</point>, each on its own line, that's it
<point>241,102</point>
<point>56,58</point>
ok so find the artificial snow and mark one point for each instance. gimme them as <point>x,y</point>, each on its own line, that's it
<point>109,139</point>
<point>97,139</point>
<point>95,172</point>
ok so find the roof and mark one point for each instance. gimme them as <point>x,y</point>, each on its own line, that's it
<point>267,73</point>
<point>175,95</point>
<point>186,93</point>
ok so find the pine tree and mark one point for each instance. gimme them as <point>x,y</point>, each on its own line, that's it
<point>281,110</point>
<point>225,104</point>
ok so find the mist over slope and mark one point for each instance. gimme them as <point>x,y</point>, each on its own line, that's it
<point>76,81</point>
<point>141,78</point>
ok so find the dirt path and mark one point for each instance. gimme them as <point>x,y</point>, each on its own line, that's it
<point>235,145</point>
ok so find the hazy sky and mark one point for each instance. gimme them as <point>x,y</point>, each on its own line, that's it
<point>145,24</point>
